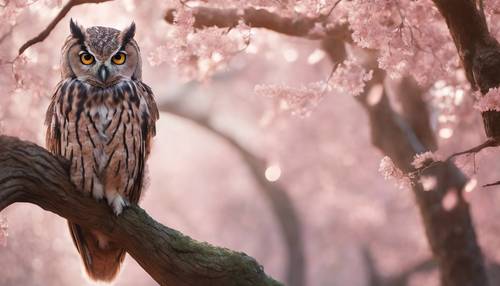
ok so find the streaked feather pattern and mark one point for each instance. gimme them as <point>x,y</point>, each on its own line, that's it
<point>105,133</point>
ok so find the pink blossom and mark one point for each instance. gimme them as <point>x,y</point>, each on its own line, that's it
<point>350,77</point>
<point>405,45</point>
<point>199,53</point>
<point>296,100</point>
<point>490,101</point>
<point>423,159</point>
<point>389,170</point>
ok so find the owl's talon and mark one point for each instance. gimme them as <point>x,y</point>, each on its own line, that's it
<point>118,203</point>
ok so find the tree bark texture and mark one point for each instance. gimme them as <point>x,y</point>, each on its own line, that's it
<point>478,50</point>
<point>29,173</point>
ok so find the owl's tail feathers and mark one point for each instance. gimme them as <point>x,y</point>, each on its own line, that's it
<point>102,260</point>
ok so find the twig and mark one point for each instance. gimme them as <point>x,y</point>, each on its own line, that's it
<point>490,142</point>
<point>64,11</point>
<point>331,9</point>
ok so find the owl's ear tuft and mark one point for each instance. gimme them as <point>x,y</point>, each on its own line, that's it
<point>76,31</point>
<point>128,34</point>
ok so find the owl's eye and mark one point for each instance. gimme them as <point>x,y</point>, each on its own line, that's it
<point>119,58</point>
<point>86,58</point>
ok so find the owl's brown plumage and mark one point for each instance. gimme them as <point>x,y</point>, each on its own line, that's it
<point>102,119</point>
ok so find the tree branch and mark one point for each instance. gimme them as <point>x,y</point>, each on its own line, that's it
<point>46,32</point>
<point>277,196</point>
<point>470,33</point>
<point>29,173</point>
<point>450,232</point>
<point>479,51</point>
<point>262,18</point>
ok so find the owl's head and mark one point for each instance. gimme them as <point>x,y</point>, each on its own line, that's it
<point>101,56</point>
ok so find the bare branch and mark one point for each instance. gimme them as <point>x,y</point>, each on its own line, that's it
<point>46,32</point>
<point>29,173</point>
<point>277,196</point>
<point>262,18</point>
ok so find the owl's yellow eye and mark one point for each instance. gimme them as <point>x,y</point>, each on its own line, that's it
<point>86,58</point>
<point>119,58</point>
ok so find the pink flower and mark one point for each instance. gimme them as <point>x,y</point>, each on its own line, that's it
<point>490,101</point>
<point>296,100</point>
<point>350,77</point>
<point>422,159</point>
<point>389,170</point>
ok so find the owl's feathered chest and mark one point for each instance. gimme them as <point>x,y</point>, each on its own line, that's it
<point>104,132</point>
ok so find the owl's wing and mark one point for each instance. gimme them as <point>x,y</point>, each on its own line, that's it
<point>149,115</point>
<point>53,134</point>
<point>154,115</point>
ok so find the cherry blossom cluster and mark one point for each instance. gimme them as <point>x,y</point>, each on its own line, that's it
<point>390,172</point>
<point>296,100</point>
<point>411,37</point>
<point>199,53</point>
<point>490,101</point>
<point>423,159</point>
<point>350,77</point>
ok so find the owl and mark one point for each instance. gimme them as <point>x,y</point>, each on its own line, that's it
<point>102,119</point>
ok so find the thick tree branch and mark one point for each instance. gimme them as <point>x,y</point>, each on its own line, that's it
<point>277,196</point>
<point>46,32</point>
<point>469,30</point>
<point>478,51</point>
<point>262,18</point>
<point>28,173</point>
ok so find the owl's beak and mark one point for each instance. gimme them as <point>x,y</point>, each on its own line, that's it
<point>103,73</point>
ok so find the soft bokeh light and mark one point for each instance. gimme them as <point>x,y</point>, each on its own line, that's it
<point>234,97</point>
<point>273,173</point>
<point>450,200</point>
<point>471,185</point>
<point>445,133</point>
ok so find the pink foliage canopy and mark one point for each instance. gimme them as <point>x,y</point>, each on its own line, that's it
<point>242,70</point>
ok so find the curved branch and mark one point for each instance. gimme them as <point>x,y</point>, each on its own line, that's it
<point>262,18</point>
<point>281,203</point>
<point>46,32</point>
<point>29,173</point>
